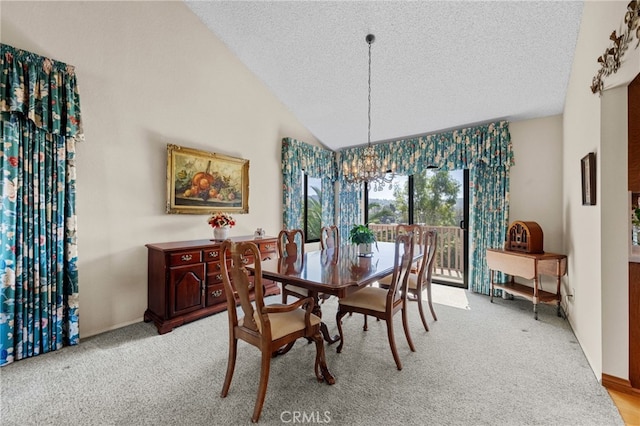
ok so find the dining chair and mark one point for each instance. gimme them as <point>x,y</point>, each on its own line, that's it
<point>329,240</point>
<point>291,243</point>
<point>383,303</point>
<point>421,274</point>
<point>267,327</point>
<point>329,237</point>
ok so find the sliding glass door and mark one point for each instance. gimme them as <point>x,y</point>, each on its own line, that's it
<point>436,199</point>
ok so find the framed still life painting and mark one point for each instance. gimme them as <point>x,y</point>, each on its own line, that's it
<point>199,182</point>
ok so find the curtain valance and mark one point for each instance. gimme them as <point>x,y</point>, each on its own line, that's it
<point>43,90</point>
<point>314,160</point>
<point>455,150</point>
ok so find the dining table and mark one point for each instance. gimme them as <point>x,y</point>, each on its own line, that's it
<point>337,271</point>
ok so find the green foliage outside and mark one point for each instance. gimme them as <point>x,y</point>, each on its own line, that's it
<point>314,215</point>
<point>435,197</point>
<point>382,214</point>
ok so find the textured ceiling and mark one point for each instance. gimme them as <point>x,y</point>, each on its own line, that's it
<point>435,65</point>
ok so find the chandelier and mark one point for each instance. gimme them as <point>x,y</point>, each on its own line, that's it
<point>369,168</point>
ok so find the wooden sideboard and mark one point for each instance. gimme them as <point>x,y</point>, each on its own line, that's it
<point>528,266</point>
<point>185,280</point>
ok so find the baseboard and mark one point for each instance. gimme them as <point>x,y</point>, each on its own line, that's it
<point>619,385</point>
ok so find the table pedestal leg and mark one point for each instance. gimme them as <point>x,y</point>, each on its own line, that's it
<point>323,327</point>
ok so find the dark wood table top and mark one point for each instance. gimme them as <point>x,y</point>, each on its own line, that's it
<point>333,272</point>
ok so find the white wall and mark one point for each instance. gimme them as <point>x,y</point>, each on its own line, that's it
<point>615,232</point>
<point>149,73</point>
<point>600,303</point>
<point>536,180</point>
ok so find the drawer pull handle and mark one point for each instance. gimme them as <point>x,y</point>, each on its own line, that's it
<point>219,277</point>
<point>216,293</point>
<point>268,246</point>
<point>186,257</point>
<point>245,260</point>
<point>213,254</point>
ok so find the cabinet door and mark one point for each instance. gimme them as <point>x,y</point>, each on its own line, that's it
<point>186,289</point>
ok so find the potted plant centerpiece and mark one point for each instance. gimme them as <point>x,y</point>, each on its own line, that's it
<point>364,238</point>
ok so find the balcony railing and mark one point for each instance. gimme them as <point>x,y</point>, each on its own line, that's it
<point>449,261</point>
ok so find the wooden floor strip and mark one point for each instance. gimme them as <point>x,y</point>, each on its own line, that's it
<point>628,405</point>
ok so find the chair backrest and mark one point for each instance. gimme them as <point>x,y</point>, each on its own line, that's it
<point>428,245</point>
<point>329,237</point>
<point>291,243</point>
<point>233,270</point>
<point>405,228</point>
<point>402,267</point>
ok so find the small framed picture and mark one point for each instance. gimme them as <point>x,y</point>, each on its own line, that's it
<point>588,167</point>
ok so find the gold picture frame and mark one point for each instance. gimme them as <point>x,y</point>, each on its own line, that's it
<point>200,182</point>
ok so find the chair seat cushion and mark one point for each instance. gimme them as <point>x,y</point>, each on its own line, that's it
<point>413,281</point>
<point>297,290</point>
<point>284,323</point>
<point>373,298</point>
<point>386,280</point>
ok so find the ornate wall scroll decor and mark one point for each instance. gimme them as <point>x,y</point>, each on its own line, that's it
<point>610,59</point>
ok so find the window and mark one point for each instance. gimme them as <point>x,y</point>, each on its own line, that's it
<point>431,198</point>
<point>389,206</point>
<point>437,198</point>
<point>312,212</point>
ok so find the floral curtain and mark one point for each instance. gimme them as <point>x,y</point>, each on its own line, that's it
<point>39,126</point>
<point>350,211</point>
<point>485,150</point>
<point>316,162</point>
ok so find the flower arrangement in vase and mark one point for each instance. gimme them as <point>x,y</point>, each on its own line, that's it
<point>221,223</point>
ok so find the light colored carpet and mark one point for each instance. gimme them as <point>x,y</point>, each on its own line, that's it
<point>481,364</point>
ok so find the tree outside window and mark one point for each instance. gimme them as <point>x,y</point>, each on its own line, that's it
<point>313,208</point>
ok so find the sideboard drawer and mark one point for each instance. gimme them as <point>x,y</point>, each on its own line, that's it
<point>214,273</point>
<point>247,259</point>
<point>185,258</point>
<point>216,294</point>
<point>267,247</point>
<point>212,254</point>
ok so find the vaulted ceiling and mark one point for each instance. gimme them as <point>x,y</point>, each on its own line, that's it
<point>436,65</point>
